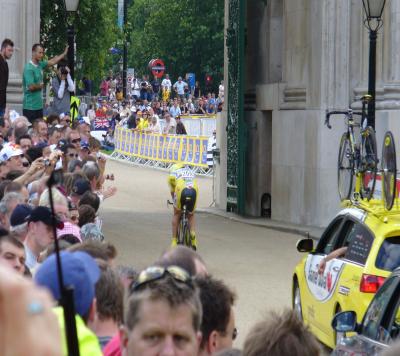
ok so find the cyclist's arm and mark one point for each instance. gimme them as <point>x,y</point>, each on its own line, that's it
<point>172,184</point>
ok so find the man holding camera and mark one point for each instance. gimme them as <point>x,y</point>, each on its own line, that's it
<point>32,82</point>
<point>63,86</point>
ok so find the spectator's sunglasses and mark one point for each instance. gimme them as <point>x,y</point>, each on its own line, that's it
<point>155,273</point>
<point>234,334</point>
<point>77,140</point>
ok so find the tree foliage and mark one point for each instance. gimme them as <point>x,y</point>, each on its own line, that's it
<point>187,34</point>
<point>95,28</point>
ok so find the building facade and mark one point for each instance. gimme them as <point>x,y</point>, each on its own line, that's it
<point>302,57</point>
<point>19,21</point>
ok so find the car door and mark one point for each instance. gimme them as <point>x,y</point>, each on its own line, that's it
<point>381,323</point>
<point>359,240</point>
<point>320,286</point>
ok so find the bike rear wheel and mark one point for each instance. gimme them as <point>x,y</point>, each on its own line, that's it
<point>389,170</point>
<point>369,163</point>
<point>345,167</point>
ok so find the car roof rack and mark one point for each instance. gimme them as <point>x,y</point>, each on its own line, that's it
<point>374,207</point>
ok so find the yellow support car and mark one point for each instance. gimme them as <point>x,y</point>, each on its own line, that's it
<point>368,239</point>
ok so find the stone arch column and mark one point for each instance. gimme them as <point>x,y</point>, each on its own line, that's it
<point>20,21</point>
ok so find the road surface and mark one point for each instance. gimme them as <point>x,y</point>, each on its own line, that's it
<point>256,262</point>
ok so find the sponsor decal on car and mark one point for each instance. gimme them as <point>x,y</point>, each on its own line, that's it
<point>322,285</point>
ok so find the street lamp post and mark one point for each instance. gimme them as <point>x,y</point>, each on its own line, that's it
<point>71,6</point>
<point>373,21</point>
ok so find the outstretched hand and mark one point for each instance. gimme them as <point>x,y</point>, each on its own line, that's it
<point>26,309</point>
<point>65,50</point>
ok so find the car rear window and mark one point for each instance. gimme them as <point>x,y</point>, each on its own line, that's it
<point>389,254</point>
<point>359,241</point>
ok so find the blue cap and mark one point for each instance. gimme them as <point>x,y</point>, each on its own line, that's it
<point>43,214</point>
<point>84,144</point>
<point>20,214</point>
<point>80,187</point>
<point>79,271</point>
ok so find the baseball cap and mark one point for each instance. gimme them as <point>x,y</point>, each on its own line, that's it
<point>79,271</point>
<point>91,231</point>
<point>43,214</point>
<point>19,214</point>
<point>41,144</point>
<point>84,144</point>
<point>80,186</point>
<point>62,143</point>
<point>69,228</point>
<point>10,150</point>
<point>84,120</point>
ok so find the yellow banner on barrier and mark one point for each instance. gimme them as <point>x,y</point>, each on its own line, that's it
<point>195,116</point>
<point>163,148</point>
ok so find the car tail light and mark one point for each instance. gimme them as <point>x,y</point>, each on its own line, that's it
<point>370,283</point>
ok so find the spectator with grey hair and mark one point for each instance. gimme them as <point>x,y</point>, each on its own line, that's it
<point>40,234</point>
<point>18,221</point>
<point>74,166</point>
<point>7,206</point>
<point>18,188</point>
<point>92,172</point>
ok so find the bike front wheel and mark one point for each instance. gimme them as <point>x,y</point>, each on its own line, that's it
<point>181,235</point>
<point>345,167</point>
<point>369,163</point>
<point>389,170</point>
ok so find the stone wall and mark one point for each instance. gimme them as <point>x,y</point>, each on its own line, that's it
<point>19,21</point>
<point>303,57</point>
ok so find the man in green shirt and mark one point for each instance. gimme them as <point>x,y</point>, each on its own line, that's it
<point>32,82</point>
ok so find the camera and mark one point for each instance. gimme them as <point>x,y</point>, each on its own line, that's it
<point>63,70</point>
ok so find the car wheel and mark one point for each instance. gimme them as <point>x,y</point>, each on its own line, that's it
<point>297,300</point>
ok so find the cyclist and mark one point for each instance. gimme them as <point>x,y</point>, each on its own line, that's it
<point>183,188</point>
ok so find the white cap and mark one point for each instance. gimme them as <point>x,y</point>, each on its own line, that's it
<point>10,150</point>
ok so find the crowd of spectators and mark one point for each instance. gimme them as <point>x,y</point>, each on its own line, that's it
<point>172,307</point>
<point>155,106</point>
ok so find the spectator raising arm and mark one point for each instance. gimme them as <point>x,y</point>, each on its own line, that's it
<point>56,59</point>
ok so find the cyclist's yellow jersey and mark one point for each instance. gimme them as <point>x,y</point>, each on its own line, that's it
<point>181,177</point>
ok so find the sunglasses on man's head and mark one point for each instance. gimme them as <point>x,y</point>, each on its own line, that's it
<point>155,273</point>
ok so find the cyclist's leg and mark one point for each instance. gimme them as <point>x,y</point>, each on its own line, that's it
<point>177,215</point>
<point>175,222</point>
<point>192,224</point>
<point>191,206</point>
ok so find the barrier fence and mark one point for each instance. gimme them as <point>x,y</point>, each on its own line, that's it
<point>161,151</point>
